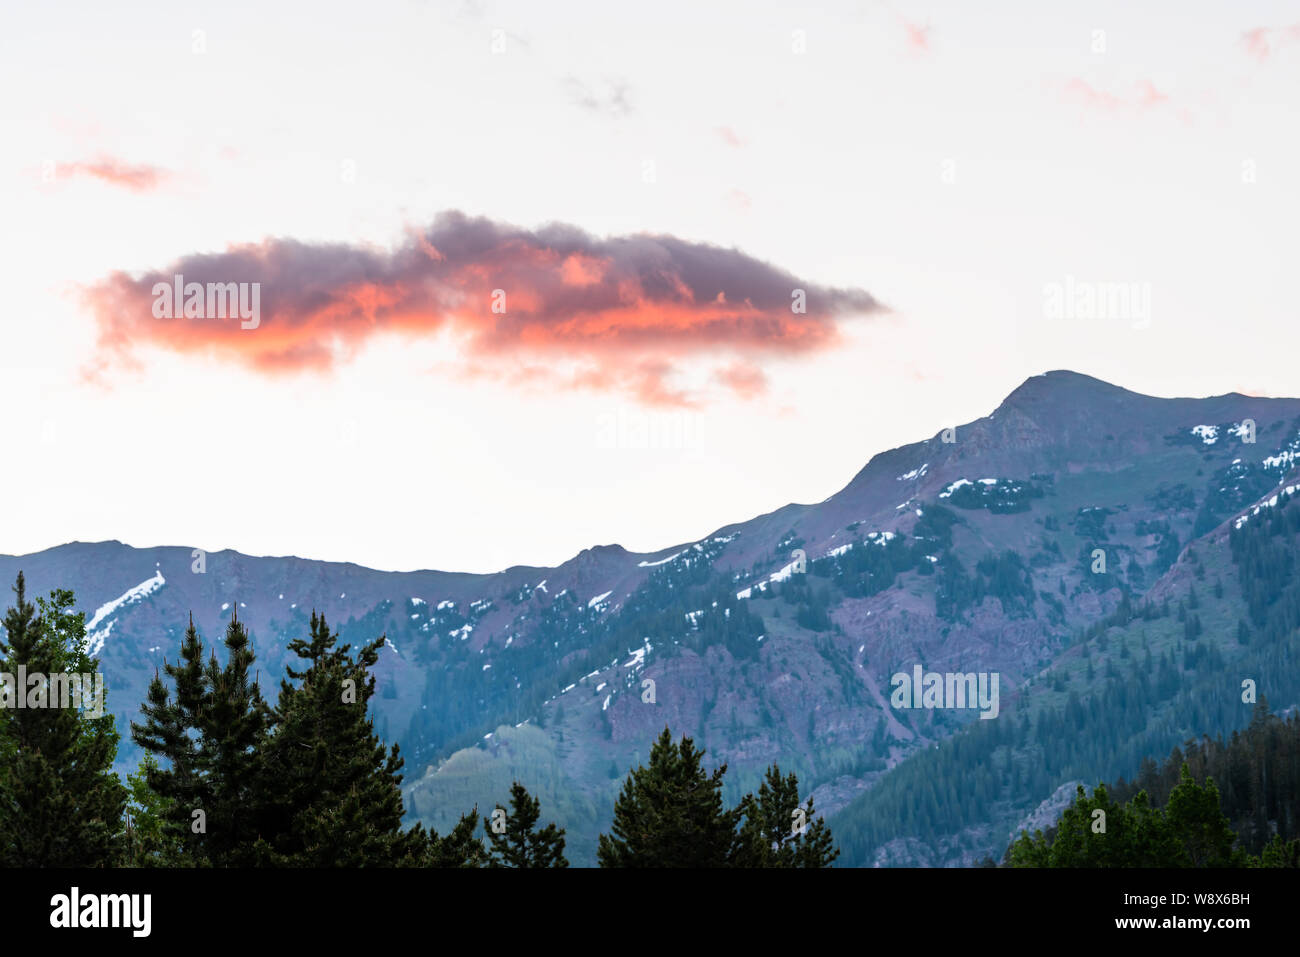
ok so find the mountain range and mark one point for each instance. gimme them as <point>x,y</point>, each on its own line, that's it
<point>1088,545</point>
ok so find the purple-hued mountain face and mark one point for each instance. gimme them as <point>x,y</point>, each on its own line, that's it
<point>769,640</point>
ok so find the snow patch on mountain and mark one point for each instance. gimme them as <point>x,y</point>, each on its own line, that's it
<point>785,572</point>
<point>954,486</point>
<point>1270,503</point>
<point>1283,460</point>
<point>96,635</point>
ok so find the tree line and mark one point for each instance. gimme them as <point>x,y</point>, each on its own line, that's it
<point>1190,830</point>
<point>229,779</point>
<point>1213,803</point>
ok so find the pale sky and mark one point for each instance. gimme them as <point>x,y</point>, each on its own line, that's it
<point>950,159</point>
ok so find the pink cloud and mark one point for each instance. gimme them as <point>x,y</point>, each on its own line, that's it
<point>625,311</point>
<point>1262,42</point>
<point>918,36</point>
<point>136,177</point>
<point>729,136</point>
<point>744,379</point>
<point>740,199</point>
<point>1144,96</point>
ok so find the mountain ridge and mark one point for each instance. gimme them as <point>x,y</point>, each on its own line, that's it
<point>1030,391</point>
<point>977,553</point>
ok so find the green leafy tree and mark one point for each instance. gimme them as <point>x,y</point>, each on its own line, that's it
<point>521,844</point>
<point>60,803</point>
<point>147,839</point>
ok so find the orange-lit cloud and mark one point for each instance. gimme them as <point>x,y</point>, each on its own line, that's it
<point>623,313</point>
<point>137,177</point>
<point>745,380</point>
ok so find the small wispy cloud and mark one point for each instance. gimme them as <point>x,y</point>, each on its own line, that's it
<point>729,136</point>
<point>740,199</point>
<point>917,36</point>
<point>136,177</point>
<point>1141,96</point>
<point>745,379</point>
<point>1261,43</point>
<point>610,96</point>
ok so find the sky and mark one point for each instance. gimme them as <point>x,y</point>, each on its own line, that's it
<point>529,275</point>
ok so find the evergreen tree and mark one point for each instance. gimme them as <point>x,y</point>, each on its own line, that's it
<point>331,788</point>
<point>459,848</point>
<point>60,803</point>
<point>148,843</point>
<point>1279,853</point>
<point>1077,844</point>
<point>670,813</point>
<point>778,831</point>
<point>170,731</point>
<point>1191,831</point>
<point>209,737</point>
<point>1030,851</point>
<point>1198,825</point>
<point>234,723</point>
<point>519,844</point>
<point>1149,840</point>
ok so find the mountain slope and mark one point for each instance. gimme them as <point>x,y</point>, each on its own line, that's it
<point>975,554</point>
